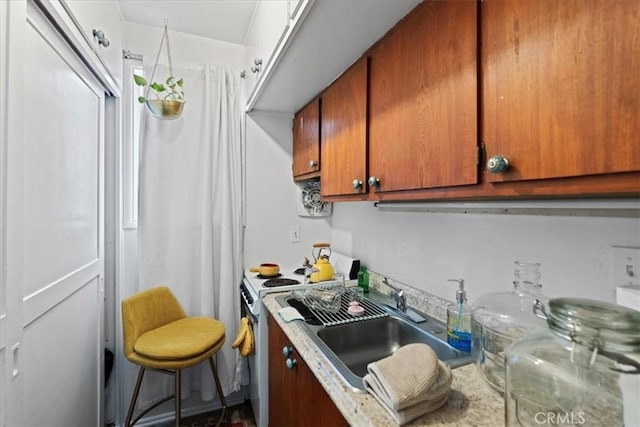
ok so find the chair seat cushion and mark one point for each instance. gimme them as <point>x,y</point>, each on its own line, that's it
<point>181,339</point>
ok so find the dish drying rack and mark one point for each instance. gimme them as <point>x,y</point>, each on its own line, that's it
<point>342,316</point>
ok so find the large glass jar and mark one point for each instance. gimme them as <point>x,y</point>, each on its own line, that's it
<point>576,372</point>
<point>500,318</point>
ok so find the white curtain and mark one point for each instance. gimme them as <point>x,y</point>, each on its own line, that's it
<point>190,216</point>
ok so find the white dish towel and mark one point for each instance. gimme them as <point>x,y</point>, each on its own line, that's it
<point>409,383</point>
<point>289,314</point>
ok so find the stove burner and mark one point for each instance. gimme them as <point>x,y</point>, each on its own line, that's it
<point>271,283</point>
<point>260,276</point>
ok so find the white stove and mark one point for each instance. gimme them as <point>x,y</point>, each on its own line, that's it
<point>252,289</point>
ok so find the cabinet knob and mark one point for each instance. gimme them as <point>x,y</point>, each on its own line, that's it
<point>313,164</point>
<point>287,351</point>
<point>257,65</point>
<point>356,184</point>
<point>373,181</point>
<point>497,164</point>
<point>102,40</point>
<point>291,363</point>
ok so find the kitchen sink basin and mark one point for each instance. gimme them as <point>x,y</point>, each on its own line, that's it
<point>352,346</point>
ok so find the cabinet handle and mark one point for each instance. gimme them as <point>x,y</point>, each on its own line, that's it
<point>497,164</point>
<point>291,363</point>
<point>313,164</point>
<point>374,181</point>
<point>356,184</point>
<point>287,351</point>
<point>257,65</point>
<point>102,40</point>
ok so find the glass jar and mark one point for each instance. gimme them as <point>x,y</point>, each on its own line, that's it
<point>575,372</point>
<point>500,318</point>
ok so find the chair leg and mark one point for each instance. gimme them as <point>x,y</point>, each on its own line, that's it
<point>177,393</point>
<point>223,401</point>
<point>136,390</point>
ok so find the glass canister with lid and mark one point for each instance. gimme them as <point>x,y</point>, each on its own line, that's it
<point>500,318</point>
<point>575,372</point>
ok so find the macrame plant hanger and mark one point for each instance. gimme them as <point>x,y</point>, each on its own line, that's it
<point>170,101</point>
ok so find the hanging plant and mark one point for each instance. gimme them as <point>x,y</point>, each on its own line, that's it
<point>169,100</point>
<point>171,90</point>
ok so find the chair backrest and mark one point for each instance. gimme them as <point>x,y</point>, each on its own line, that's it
<point>147,310</point>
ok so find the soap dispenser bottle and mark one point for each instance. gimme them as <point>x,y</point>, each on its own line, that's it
<point>459,320</point>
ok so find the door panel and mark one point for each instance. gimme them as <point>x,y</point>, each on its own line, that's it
<point>306,139</point>
<point>560,87</point>
<point>61,370</point>
<point>61,221</point>
<point>423,99</point>
<point>343,147</point>
<point>61,184</point>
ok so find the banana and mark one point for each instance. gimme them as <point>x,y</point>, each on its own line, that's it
<point>247,344</point>
<point>242,332</point>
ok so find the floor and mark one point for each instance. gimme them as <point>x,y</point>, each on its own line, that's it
<point>241,416</point>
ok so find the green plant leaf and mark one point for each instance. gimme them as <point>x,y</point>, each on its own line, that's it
<point>142,99</point>
<point>169,81</point>
<point>139,80</point>
<point>179,82</point>
<point>158,87</point>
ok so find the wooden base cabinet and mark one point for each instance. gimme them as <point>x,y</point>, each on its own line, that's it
<point>296,398</point>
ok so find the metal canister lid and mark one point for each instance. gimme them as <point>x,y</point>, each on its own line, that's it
<point>609,326</point>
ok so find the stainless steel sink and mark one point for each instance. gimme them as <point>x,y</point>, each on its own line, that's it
<point>351,347</point>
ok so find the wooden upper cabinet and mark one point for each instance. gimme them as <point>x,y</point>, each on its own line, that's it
<point>344,133</point>
<point>561,87</point>
<point>306,141</point>
<point>423,99</point>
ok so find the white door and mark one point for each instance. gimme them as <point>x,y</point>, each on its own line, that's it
<point>55,220</point>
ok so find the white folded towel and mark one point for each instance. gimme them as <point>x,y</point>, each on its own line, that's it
<point>289,313</point>
<point>409,383</point>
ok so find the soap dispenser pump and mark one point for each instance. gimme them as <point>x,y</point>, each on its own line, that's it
<point>459,320</point>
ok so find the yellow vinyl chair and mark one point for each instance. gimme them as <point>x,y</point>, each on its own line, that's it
<point>159,336</point>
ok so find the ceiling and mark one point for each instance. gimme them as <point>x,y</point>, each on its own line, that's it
<point>226,20</point>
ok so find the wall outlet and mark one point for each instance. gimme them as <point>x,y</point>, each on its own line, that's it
<point>294,234</point>
<point>626,265</point>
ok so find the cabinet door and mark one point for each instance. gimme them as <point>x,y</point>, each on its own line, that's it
<point>102,15</point>
<point>560,87</point>
<point>344,133</point>
<point>423,99</point>
<point>268,27</point>
<point>295,395</point>
<point>306,139</point>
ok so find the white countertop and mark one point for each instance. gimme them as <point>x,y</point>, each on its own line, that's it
<point>471,402</point>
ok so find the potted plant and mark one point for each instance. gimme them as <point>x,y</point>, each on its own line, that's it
<point>169,100</point>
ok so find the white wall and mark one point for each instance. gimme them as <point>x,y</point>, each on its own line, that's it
<point>186,49</point>
<point>423,250</point>
<point>271,196</point>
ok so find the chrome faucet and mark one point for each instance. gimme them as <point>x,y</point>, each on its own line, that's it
<point>398,295</point>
